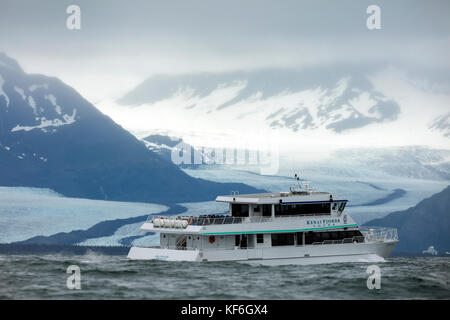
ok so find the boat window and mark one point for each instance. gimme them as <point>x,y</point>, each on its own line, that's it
<point>259,238</point>
<point>237,240</point>
<point>282,239</point>
<point>311,237</point>
<point>342,206</point>
<point>317,237</point>
<point>335,205</point>
<point>334,235</point>
<point>267,210</point>
<point>302,209</point>
<point>244,241</point>
<point>239,210</point>
<point>299,238</point>
<point>326,236</point>
<point>256,209</point>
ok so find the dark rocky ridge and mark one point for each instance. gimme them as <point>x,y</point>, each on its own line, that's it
<point>426,224</point>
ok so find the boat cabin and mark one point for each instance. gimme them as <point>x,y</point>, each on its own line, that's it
<point>284,204</point>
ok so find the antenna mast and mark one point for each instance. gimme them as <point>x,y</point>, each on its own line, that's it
<point>301,184</point>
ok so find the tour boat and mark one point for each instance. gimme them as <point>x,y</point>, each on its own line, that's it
<point>301,226</point>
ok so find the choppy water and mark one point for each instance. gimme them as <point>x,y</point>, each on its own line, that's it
<point>115,277</point>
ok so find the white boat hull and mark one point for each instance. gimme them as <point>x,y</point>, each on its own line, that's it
<point>142,253</point>
<point>310,254</point>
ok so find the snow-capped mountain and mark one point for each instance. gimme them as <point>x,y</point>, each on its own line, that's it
<point>355,106</point>
<point>28,104</point>
<point>283,99</point>
<point>51,137</point>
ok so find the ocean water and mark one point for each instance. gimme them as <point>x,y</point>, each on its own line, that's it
<point>115,277</point>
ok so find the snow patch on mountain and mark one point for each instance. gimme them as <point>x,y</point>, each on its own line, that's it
<point>48,123</point>
<point>32,104</point>
<point>21,92</point>
<point>365,105</point>
<point>37,86</point>
<point>2,92</point>
<point>41,112</point>
<point>157,147</point>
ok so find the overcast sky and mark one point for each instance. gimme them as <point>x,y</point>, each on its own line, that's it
<point>123,42</point>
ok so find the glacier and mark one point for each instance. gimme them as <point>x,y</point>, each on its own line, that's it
<point>29,212</point>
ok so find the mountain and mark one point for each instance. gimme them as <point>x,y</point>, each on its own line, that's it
<point>353,105</point>
<point>427,224</point>
<point>165,146</point>
<point>332,98</point>
<point>51,137</point>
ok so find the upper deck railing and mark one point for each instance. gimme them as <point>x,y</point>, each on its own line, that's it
<point>184,221</point>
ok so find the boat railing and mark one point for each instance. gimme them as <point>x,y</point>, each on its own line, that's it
<point>379,234</point>
<point>170,221</point>
<point>356,239</point>
<point>284,217</point>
